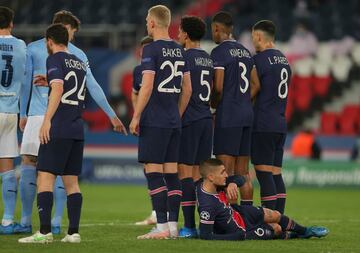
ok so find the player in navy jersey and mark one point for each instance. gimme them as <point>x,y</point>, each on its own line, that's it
<point>269,129</point>
<point>12,69</point>
<point>234,71</point>
<point>221,221</point>
<point>137,76</point>
<point>162,100</point>
<point>61,136</point>
<point>196,133</point>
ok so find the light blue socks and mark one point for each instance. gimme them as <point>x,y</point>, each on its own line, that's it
<point>27,192</point>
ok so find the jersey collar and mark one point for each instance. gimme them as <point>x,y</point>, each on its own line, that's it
<point>6,36</point>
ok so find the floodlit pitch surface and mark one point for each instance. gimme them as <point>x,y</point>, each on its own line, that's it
<point>109,212</point>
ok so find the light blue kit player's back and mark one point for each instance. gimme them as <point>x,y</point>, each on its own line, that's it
<point>34,110</point>
<point>12,69</point>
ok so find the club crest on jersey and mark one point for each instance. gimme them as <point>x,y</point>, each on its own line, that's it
<point>204,215</point>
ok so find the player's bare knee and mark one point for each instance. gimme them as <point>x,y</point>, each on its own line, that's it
<point>184,171</point>
<point>29,160</point>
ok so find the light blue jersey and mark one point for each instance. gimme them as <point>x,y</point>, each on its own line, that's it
<point>12,70</point>
<point>36,65</point>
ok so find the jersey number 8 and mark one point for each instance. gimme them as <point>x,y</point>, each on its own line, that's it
<point>284,79</point>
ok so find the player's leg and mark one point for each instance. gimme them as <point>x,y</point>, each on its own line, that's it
<point>262,156</point>
<point>151,219</point>
<point>172,180</point>
<point>153,143</point>
<point>60,202</point>
<point>74,197</point>
<point>287,224</point>
<point>27,185</point>
<point>227,143</point>
<point>278,179</point>
<point>8,150</point>
<point>242,167</point>
<point>27,188</point>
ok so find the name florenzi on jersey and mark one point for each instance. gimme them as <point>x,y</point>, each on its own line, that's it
<point>6,47</point>
<point>70,63</point>
<point>278,60</point>
<point>239,53</point>
<point>205,62</point>
<point>171,52</point>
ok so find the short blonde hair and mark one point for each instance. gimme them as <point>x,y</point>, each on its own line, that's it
<point>161,14</point>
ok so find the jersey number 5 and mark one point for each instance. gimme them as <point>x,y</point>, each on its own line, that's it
<point>80,94</point>
<point>7,73</point>
<point>207,84</point>
<point>284,79</point>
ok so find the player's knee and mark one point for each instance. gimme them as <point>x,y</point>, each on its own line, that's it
<point>277,228</point>
<point>184,171</point>
<point>28,160</point>
<point>277,215</point>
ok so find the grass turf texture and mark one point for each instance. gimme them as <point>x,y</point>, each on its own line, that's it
<point>109,212</point>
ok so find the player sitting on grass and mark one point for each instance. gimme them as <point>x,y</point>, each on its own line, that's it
<point>221,221</point>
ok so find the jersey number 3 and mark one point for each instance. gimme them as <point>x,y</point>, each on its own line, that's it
<point>7,73</point>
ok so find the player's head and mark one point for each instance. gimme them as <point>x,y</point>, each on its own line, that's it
<point>214,171</point>
<point>144,41</point>
<point>159,16</point>
<point>221,26</point>
<point>191,28</point>
<point>56,35</point>
<point>263,32</point>
<point>71,22</point>
<point>6,17</point>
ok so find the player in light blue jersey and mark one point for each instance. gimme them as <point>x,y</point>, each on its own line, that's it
<point>31,121</point>
<point>12,68</point>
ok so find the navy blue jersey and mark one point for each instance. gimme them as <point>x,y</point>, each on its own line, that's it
<point>202,72</point>
<point>235,108</point>
<point>275,74</point>
<point>215,210</point>
<point>137,77</point>
<point>164,58</point>
<point>71,71</point>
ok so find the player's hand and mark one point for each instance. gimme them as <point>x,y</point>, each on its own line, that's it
<point>232,191</point>
<point>40,80</point>
<point>45,132</point>
<point>22,124</point>
<point>118,125</point>
<point>134,126</point>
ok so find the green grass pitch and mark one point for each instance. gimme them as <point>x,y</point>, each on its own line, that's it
<point>110,210</point>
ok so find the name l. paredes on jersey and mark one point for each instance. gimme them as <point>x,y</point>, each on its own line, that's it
<point>70,63</point>
<point>172,52</point>
<point>278,60</point>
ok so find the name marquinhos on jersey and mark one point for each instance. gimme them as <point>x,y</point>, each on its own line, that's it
<point>204,62</point>
<point>239,53</point>
<point>278,60</point>
<point>6,47</point>
<point>70,63</point>
<point>172,52</point>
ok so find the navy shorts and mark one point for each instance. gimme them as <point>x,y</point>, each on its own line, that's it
<point>196,142</point>
<point>256,228</point>
<point>61,157</point>
<point>234,141</point>
<point>159,145</point>
<point>267,148</point>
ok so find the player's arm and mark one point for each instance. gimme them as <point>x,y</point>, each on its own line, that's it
<point>143,99</point>
<point>98,95</point>
<point>254,82</point>
<point>218,86</point>
<point>134,97</point>
<point>233,183</point>
<point>206,227</point>
<point>25,90</point>
<point>185,93</point>
<point>54,101</point>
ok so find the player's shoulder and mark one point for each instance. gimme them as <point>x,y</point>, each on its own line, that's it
<point>74,50</point>
<point>137,69</point>
<point>36,44</point>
